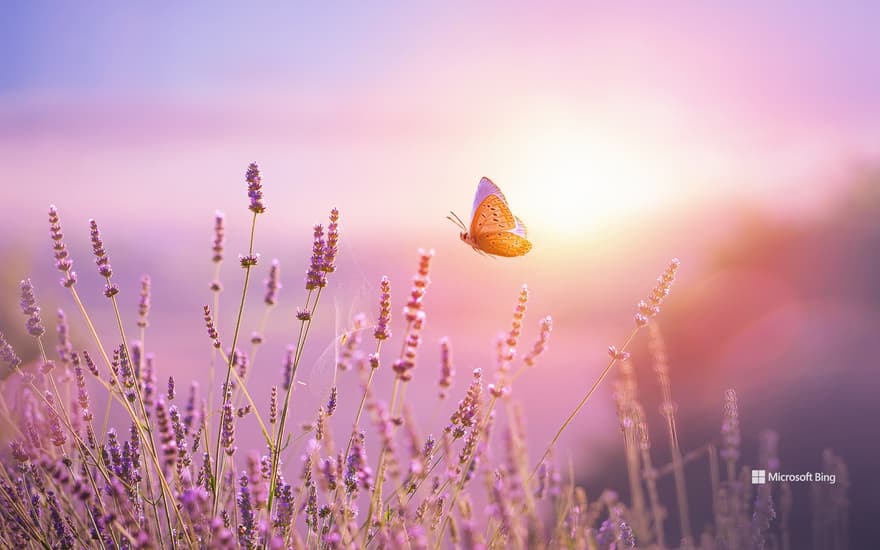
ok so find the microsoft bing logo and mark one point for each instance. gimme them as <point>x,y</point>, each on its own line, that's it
<point>759,477</point>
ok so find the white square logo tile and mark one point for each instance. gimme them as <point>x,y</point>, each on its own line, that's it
<point>759,477</point>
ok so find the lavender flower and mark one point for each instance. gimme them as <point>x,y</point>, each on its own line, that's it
<point>144,302</point>
<point>273,405</point>
<point>762,517</point>
<point>357,472</point>
<point>413,307</point>
<point>468,411</point>
<point>101,259</point>
<point>89,363</point>
<point>331,249</point>
<point>649,308</point>
<point>447,371</point>
<point>273,283</point>
<point>284,512</point>
<point>383,326</point>
<point>57,434</point>
<point>209,325</point>
<point>316,277</point>
<point>730,433</point>
<point>248,260</point>
<point>227,438</point>
<point>287,369</point>
<point>519,313</point>
<point>407,361</point>
<point>540,346</point>
<point>64,348</point>
<point>219,236</point>
<point>247,531</point>
<point>30,308</point>
<point>62,257</point>
<point>7,353</point>
<point>331,401</point>
<point>255,188</point>
<point>166,434</point>
<point>82,392</point>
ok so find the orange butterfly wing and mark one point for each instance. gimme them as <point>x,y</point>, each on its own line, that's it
<point>503,243</point>
<point>492,215</point>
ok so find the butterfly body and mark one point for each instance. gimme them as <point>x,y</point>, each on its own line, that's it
<point>494,230</point>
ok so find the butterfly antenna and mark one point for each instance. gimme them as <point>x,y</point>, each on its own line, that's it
<point>461,223</point>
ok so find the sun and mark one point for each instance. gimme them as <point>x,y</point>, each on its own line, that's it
<point>570,182</point>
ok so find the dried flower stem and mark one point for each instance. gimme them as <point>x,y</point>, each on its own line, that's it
<point>658,352</point>
<point>304,326</point>
<point>218,463</point>
<point>583,401</point>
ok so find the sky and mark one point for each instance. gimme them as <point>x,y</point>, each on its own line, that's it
<point>622,134</point>
<point>584,112</point>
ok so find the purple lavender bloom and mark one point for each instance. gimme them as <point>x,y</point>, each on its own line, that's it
<point>383,325</point>
<point>190,417</point>
<point>227,438</point>
<point>357,471</point>
<point>30,308</point>
<point>64,348</point>
<point>255,188</point>
<point>248,260</point>
<point>287,369</point>
<point>331,249</point>
<point>209,325</point>
<point>179,435</point>
<point>62,257</point>
<point>247,532</point>
<point>316,277</point>
<point>90,364</point>
<point>144,302</point>
<point>331,402</point>
<point>101,259</point>
<point>284,512</point>
<point>7,353</point>
<point>273,283</point>
<point>219,236</point>
<point>447,371</point>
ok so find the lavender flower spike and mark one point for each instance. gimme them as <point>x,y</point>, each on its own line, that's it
<point>62,257</point>
<point>219,236</point>
<point>255,188</point>
<point>30,308</point>
<point>144,302</point>
<point>316,277</point>
<point>7,353</point>
<point>273,283</point>
<point>101,259</point>
<point>383,326</point>
<point>332,247</point>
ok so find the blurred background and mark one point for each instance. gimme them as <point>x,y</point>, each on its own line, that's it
<point>743,139</point>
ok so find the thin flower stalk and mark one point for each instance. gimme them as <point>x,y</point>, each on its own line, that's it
<point>646,310</point>
<point>257,206</point>
<point>667,406</point>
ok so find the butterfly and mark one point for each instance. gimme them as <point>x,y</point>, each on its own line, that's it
<point>494,230</point>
